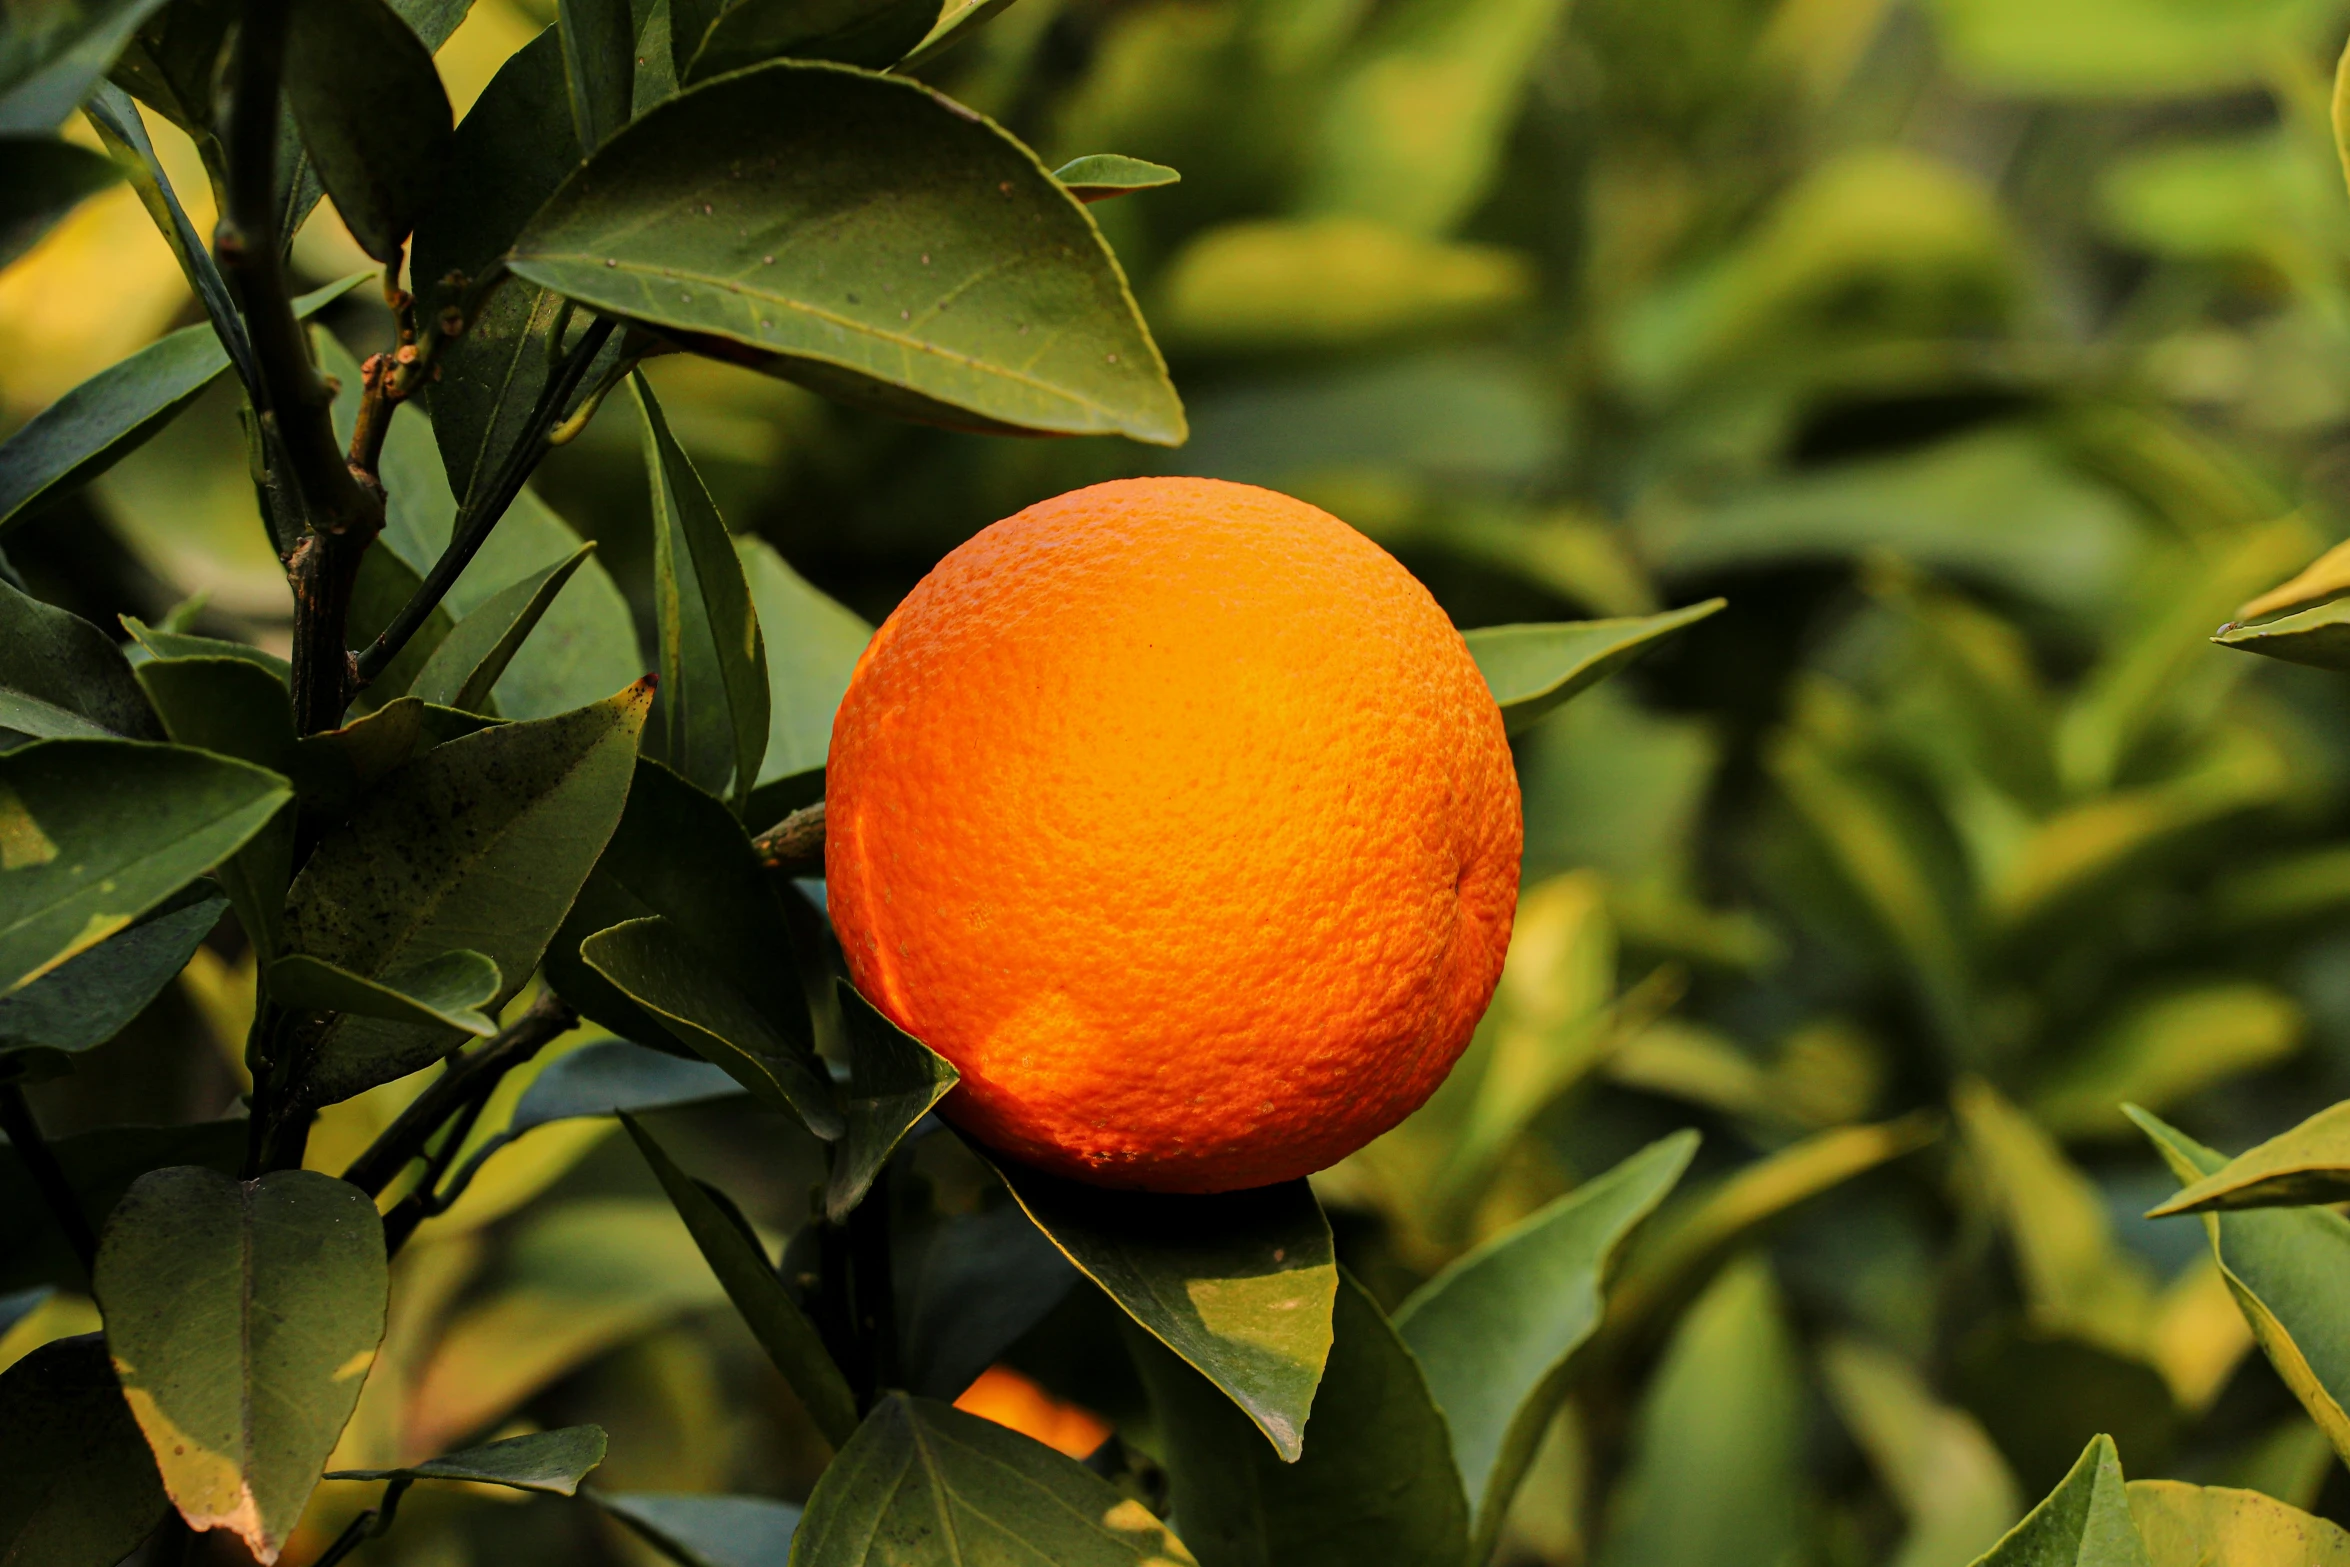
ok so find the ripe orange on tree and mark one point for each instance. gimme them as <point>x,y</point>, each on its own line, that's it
<point>1177,816</point>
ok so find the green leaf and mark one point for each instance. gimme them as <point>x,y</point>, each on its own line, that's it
<point>957,21</point>
<point>853,305</point>
<point>2159,1049</point>
<point>1937,1462</point>
<point>550,1461</point>
<point>116,119</point>
<point>1532,669</point>
<point>2186,1525</point>
<point>479,844</point>
<point>386,583</point>
<point>60,676</point>
<point>373,115</point>
<point>682,855</point>
<point>2318,637</point>
<point>894,1079</point>
<point>1494,1331</point>
<point>44,180</point>
<point>77,1487</point>
<point>1279,284</point>
<point>873,33</point>
<point>2289,1269</point>
<point>734,1253</point>
<point>2307,1165</point>
<point>601,1078</point>
<point>653,963</point>
<point>925,1485</point>
<point>112,414</point>
<point>447,991</point>
<point>696,1530</point>
<point>52,55</point>
<point>242,1316</point>
<point>812,647</point>
<point>94,833</point>
<point>100,1166</point>
<point>599,54</point>
<point>93,998</point>
<point>468,662</point>
<point>1375,1481</point>
<point>1716,1475</point>
<point>713,722</point>
<point>160,643</point>
<point>2084,1522</point>
<point>967,1288</point>
<point>1101,175</point>
<point>1239,1284</point>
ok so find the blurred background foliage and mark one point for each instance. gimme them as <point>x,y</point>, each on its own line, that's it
<point>1986,354</point>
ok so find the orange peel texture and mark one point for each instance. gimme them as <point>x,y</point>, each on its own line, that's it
<point>1177,816</point>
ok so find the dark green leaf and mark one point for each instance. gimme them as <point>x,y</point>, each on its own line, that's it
<point>77,1487</point>
<point>854,32</point>
<point>112,414</point>
<point>1376,1480</point>
<point>906,305</point>
<point>445,991</point>
<point>695,1530</point>
<point>1716,1473</point>
<point>2308,1165</point>
<point>479,844</point>
<point>894,1079</point>
<point>372,113</point>
<point>599,54</point>
<point>1494,1331</point>
<point>2084,1522</point>
<point>2289,1270</point>
<point>93,998</point>
<point>161,643</point>
<point>658,968</point>
<point>61,676</point>
<point>1532,669</point>
<point>812,646</point>
<point>243,1317</point>
<point>100,1166</point>
<point>94,833</point>
<point>52,55</point>
<point>478,648</point>
<point>925,1485</point>
<point>41,180</point>
<point>1239,1284</point>
<point>967,1288</point>
<point>174,60</point>
<point>599,1079</point>
<point>386,583</point>
<point>550,1461</point>
<point>751,1282</point>
<point>958,21</point>
<point>713,721</point>
<point>1101,175</point>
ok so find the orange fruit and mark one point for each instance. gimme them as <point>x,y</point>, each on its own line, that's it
<point>1176,815</point>
<point>1010,1399</point>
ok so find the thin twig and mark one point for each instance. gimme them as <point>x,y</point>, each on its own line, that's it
<point>40,1162</point>
<point>795,845</point>
<point>474,524</point>
<point>466,1079</point>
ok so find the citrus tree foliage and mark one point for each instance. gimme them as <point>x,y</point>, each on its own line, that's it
<point>1784,1209</point>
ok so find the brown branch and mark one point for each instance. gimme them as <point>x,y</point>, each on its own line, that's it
<point>795,845</point>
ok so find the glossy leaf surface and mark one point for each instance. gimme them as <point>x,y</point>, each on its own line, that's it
<point>967,1288</point>
<point>2318,637</point>
<point>50,57</point>
<point>94,997</point>
<point>655,966</point>
<point>735,1254</point>
<point>550,1461</point>
<point>478,845</point>
<point>925,1485</point>
<point>61,676</point>
<point>908,306</point>
<point>1532,669</point>
<point>77,1485</point>
<point>1374,1483</point>
<point>467,663</point>
<point>112,414</point>
<point>1494,1331</point>
<point>2306,1165</point>
<point>872,33</point>
<point>1239,1284</point>
<point>447,991</point>
<point>894,1079</point>
<point>598,66</point>
<point>373,115</point>
<point>698,1530</point>
<point>47,179</point>
<point>94,833</point>
<point>242,1316</point>
<point>712,723</point>
<point>2084,1522</point>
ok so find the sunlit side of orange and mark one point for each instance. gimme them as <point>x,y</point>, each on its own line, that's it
<point>1010,1399</point>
